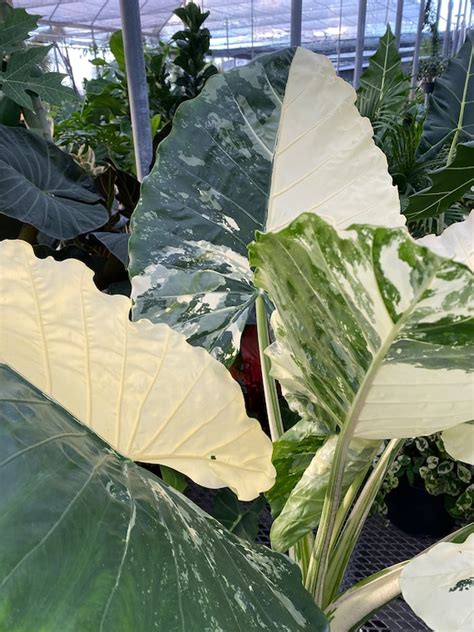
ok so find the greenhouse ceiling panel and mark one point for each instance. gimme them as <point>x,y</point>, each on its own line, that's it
<point>245,24</point>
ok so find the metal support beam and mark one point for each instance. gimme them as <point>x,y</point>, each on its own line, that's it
<point>137,86</point>
<point>447,33</point>
<point>416,53</point>
<point>360,42</point>
<point>296,18</point>
<point>398,22</point>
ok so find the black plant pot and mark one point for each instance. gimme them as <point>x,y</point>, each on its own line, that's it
<point>416,512</point>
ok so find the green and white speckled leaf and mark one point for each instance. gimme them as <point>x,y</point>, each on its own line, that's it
<point>438,585</point>
<point>91,541</point>
<point>302,511</point>
<point>380,328</point>
<point>260,145</point>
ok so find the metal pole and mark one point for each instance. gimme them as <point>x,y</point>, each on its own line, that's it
<point>137,86</point>
<point>251,27</point>
<point>416,54</point>
<point>458,24</point>
<point>296,17</point>
<point>447,32</point>
<point>398,22</point>
<point>360,42</point>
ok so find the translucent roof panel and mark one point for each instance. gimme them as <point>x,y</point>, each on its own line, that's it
<point>241,24</point>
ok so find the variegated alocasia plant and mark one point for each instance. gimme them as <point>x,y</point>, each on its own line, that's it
<point>260,145</point>
<point>87,534</point>
<point>375,334</point>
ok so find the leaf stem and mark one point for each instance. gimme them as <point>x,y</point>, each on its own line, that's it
<point>347,540</point>
<point>269,386</point>
<point>319,561</point>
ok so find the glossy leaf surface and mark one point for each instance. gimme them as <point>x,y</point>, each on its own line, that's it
<point>43,186</point>
<point>380,328</point>
<point>257,147</point>
<point>448,185</point>
<point>91,541</point>
<point>450,113</point>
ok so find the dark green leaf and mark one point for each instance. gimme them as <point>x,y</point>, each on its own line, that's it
<point>174,478</point>
<point>116,243</point>
<point>241,519</point>
<point>91,541</point>
<point>15,28</point>
<point>448,185</point>
<point>383,85</point>
<point>292,454</point>
<point>117,49</point>
<point>43,186</point>
<point>450,113</point>
<point>22,77</point>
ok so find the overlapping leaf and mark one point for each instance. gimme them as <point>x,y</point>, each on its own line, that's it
<point>15,28</point>
<point>447,185</point>
<point>101,544</point>
<point>260,145</point>
<point>450,113</point>
<point>302,511</point>
<point>379,327</point>
<point>459,442</point>
<point>439,585</point>
<point>43,186</point>
<point>456,242</point>
<point>139,386</point>
<point>384,86</point>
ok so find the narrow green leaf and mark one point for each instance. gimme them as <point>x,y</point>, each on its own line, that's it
<point>91,541</point>
<point>448,185</point>
<point>384,86</point>
<point>302,511</point>
<point>292,454</point>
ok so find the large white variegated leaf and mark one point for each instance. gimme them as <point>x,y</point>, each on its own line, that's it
<point>439,586</point>
<point>258,146</point>
<point>326,161</point>
<point>140,386</point>
<point>456,242</point>
<point>459,442</point>
<point>379,328</point>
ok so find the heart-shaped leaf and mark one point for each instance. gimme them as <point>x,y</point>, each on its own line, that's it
<point>257,147</point>
<point>379,327</point>
<point>439,585</point>
<point>43,186</point>
<point>91,541</point>
<point>450,112</point>
<point>140,386</point>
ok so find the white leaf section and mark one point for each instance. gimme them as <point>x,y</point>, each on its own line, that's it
<point>459,442</point>
<point>410,401</point>
<point>456,242</point>
<point>326,161</point>
<point>140,386</point>
<point>439,586</point>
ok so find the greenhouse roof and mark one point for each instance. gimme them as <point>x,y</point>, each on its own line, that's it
<point>242,24</point>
